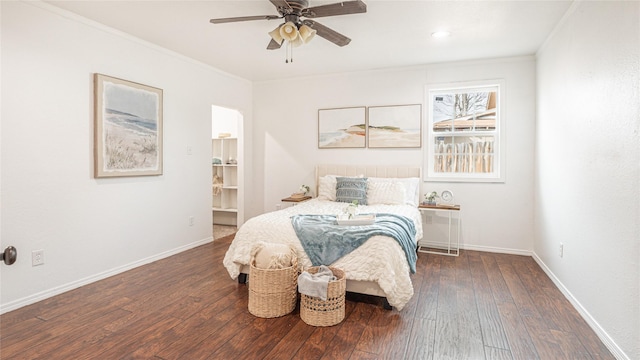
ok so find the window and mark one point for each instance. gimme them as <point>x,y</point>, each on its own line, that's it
<point>464,132</point>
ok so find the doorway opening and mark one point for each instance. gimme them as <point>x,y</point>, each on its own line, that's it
<point>227,166</point>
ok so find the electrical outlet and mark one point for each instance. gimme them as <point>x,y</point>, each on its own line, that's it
<point>561,250</point>
<point>278,206</point>
<point>428,219</point>
<point>192,220</point>
<point>189,150</point>
<point>37,257</point>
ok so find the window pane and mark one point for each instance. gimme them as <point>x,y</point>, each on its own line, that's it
<point>465,133</point>
<point>463,154</point>
<point>464,111</point>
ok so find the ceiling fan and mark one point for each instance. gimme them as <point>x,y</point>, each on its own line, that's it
<point>296,30</point>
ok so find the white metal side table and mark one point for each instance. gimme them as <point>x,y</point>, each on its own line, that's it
<point>452,248</point>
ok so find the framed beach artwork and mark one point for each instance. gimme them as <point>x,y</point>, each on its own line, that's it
<point>342,128</point>
<point>398,126</point>
<point>127,128</point>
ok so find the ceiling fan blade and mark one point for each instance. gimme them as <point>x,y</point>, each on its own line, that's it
<point>280,5</point>
<point>243,18</point>
<point>273,45</point>
<point>327,33</point>
<point>342,8</point>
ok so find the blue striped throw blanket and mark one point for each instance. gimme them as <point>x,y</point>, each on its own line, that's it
<point>325,241</point>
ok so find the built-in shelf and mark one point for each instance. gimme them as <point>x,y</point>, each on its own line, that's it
<point>225,204</point>
<point>224,210</point>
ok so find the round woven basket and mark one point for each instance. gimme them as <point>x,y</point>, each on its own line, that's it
<point>273,292</point>
<point>317,312</point>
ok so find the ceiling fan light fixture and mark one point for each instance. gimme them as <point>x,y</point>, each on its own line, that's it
<point>296,30</point>
<point>307,33</point>
<point>289,31</point>
<point>275,35</point>
<point>296,42</point>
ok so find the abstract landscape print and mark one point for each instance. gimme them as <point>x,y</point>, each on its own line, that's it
<point>342,128</point>
<point>398,126</point>
<point>127,129</point>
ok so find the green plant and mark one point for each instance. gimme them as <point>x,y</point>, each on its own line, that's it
<point>304,189</point>
<point>431,197</point>
<point>352,209</point>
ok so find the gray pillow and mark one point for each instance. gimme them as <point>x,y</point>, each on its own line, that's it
<point>349,189</point>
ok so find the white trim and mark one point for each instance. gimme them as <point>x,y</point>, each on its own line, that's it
<point>16,304</point>
<point>425,68</point>
<point>94,24</point>
<point>484,248</point>
<point>559,25</point>
<point>499,163</point>
<point>600,332</point>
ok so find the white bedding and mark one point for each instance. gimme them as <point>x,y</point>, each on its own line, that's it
<point>380,259</point>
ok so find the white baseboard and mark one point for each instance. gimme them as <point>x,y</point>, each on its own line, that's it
<point>497,250</point>
<point>441,245</point>
<point>16,304</point>
<point>602,334</point>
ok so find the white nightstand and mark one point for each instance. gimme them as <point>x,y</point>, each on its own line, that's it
<point>452,247</point>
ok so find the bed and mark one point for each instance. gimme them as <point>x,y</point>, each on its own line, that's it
<point>378,267</point>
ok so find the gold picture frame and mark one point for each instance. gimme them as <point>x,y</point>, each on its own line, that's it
<point>396,126</point>
<point>127,128</point>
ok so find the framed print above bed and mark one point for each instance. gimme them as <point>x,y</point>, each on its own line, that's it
<point>342,128</point>
<point>398,126</point>
<point>127,128</point>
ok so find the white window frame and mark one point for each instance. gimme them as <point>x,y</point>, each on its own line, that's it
<point>498,173</point>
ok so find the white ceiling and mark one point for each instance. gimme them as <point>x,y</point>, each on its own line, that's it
<point>389,34</point>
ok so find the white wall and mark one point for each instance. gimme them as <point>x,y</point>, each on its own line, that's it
<point>497,217</point>
<point>90,228</point>
<point>224,120</point>
<point>588,166</point>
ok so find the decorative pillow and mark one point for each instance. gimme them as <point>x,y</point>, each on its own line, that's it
<point>349,189</point>
<point>327,188</point>
<point>387,193</point>
<point>411,185</point>
<point>273,256</point>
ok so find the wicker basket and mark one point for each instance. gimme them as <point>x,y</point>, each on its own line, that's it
<point>273,292</point>
<point>317,312</point>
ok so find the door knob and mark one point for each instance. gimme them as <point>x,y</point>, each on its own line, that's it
<point>9,255</point>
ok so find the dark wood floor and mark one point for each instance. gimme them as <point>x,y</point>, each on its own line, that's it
<point>477,306</point>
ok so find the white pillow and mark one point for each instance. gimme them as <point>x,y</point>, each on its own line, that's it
<point>387,193</point>
<point>327,187</point>
<point>273,256</point>
<point>411,185</point>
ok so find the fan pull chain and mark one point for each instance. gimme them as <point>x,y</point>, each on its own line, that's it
<point>289,50</point>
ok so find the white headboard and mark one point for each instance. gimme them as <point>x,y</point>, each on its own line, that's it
<point>401,171</point>
<point>369,171</point>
